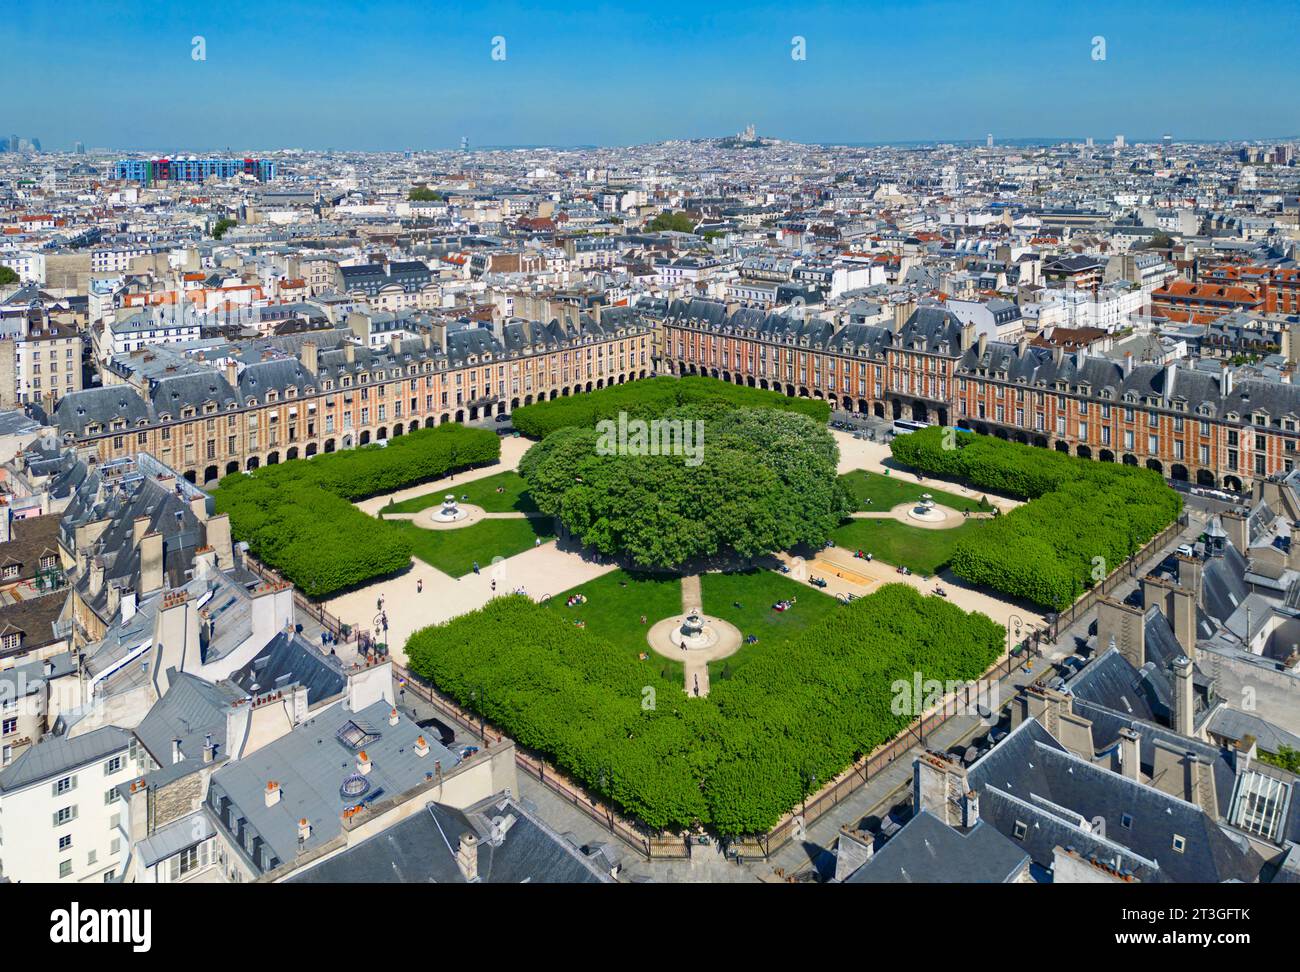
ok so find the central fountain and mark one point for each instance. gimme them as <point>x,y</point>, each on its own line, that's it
<point>926,511</point>
<point>693,634</point>
<point>449,512</point>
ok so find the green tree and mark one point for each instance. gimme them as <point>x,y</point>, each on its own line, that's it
<point>423,194</point>
<point>223,224</point>
<point>748,482</point>
<point>675,222</point>
<point>8,276</point>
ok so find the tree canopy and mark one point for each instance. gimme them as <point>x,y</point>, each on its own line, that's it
<point>736,760</point>
<point>676,222</point>
<point>8,276</point>
<point>649,397</point>
<point>743,481</point>
<point>1084,519</point>
<point>423,194</point>
<point>298,517</point>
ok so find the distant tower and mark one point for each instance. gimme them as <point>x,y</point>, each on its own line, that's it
<point>1088,142</point>
<point>988,140</point>
<point>79,148</point>
<point>1119,141</point>
<point>464,143</point>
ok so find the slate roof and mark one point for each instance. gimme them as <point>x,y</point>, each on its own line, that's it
<point>928,851</point>
<point>1062,800</point>
<point>422,850</point>
<point>191,710</point>
<point>289,659</point>
<point>58,755</point>
<point>311,765</point>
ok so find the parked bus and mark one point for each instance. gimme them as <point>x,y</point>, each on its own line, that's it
<point>903,426</point>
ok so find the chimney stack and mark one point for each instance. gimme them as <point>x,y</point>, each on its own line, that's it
<point>151,563</point>
<point>1130,753</point>
<point>971,809</point>
<point>363,763</point>
<point>310,356</point>
<point>177,754</point>
<point>272,793</point>
<point>393,718</point>
<point>467,857</point>
<point>421,747</point>
<point>209,749</point>
<point>1184,696</point>
<point>304,830</point>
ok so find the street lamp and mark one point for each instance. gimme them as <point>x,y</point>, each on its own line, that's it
<point>1014,623</point>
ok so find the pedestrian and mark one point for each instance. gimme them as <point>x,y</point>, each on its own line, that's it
<point>419,585</point>
<point>476,566</point>
<point>494,587</point>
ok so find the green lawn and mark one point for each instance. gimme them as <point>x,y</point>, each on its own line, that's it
<point>886,492</point>
<point>920,550</point>
<point>756,591</point>
<point>455,551</point>
<point>617,600</point>
<point>513,497</point>
<point>615,603</point>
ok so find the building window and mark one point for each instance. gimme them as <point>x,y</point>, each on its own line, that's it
<point>65,842</point>
<point>65,868</point>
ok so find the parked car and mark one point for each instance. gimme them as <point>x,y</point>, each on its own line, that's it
<point>446,735</point>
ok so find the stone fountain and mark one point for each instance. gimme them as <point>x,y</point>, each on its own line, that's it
<point>449,512</point>
<point>693,634</point>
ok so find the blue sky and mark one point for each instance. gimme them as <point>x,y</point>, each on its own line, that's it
<point>364,74</point>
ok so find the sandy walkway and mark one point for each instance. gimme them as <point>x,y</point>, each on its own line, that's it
<point>541,571</point>
<point>846,574</point>
<point>872,456</point>
<point>511,451</point>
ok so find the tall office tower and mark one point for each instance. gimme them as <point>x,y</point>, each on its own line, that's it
<point>988,140</point>
<point>1119,141</point>
<point>79,148</point>
<point>1088,143</point>
<point>464,143</point>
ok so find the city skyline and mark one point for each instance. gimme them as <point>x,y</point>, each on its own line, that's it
<point>503,76</point>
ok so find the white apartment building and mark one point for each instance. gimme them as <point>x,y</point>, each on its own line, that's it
<point>1110,308</point>
<point>28,264</point>
<point>145,329</point>
<point>61,806</point>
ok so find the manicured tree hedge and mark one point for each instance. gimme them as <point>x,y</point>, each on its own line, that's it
<point>765,481</point>
<point>1083,520</point>
<point>650,397</point>
<point>298,518</point>
<point>736,760</point>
